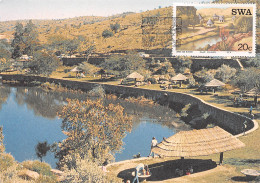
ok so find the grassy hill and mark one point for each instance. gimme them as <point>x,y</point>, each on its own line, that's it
<point>128,37</point>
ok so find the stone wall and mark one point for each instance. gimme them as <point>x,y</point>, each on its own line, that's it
<point>232,122</point>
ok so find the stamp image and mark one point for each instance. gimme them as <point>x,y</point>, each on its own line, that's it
<point>214,30</point>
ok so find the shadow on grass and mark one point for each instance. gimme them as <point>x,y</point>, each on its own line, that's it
<point>234,161</point>
<point>202,94</point>
<point>243,178</point>
<point>166,170</point>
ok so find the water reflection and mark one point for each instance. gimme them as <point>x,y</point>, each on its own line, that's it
<point>47,103</point>
<point>4,94</point>
<point>29,117</point>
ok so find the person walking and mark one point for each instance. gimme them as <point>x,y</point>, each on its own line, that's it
<point>250,110</point>
<point>138,170</point>
<point>153,144</point>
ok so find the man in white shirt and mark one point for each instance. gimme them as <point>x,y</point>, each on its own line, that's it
<point>153,144</point>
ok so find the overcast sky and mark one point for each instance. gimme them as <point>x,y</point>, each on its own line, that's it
<point>54,9</point>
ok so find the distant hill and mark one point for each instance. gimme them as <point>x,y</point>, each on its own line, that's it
<point>128,37</point>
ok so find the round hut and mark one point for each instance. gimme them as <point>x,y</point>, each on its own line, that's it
<point>198,143</point>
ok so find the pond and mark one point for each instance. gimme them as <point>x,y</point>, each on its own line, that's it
<point>28,116</point>
<point>201,43</point>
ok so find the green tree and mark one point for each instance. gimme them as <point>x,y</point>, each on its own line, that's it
<point>85,47</point>
<point>243,24</point>
<point>25,40</point>
<point>18,42</point>
<point>107,33</point>
<point>225,73</point>
<point>248,78</point>
<point>205,75</point>
<point>188,16</point>
<point>30,38</point>
<point>5,49</point>
<point>63,44</point>
<point>122,65</point>
<point>88,68</point>
<point>71,45</point>
<point>43,63</point>
<point>115,27</point>
<point>181,63</point>
<point>253,62</point>
<point>41,149</point>
<point>92,129</point>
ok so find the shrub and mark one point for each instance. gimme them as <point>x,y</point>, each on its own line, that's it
<point>152,80</point>
<point>107,33</point>
<point>97,91</point>
<point>115,27</point>
<point>6,161</point>
<point>225,73</point>
<point>39,167</point>
<point>85,170</point>
<point>185,109</point>
<point>46,179</point>
<point>205,116</point>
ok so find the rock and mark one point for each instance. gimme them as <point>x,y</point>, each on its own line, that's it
<point>28,174</point>
<point>57,172</point>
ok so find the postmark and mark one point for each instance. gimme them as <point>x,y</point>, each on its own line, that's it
<point>214,30</point>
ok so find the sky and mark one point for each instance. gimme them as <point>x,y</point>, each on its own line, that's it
<point>58,9</point>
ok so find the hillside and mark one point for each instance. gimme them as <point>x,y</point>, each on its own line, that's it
<point>128,37</point>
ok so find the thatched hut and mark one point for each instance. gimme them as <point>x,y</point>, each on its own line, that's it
<point>214,84</point>
<point>76,70</point>
<point>198,143</point>
<point>210,23</point>
<point>180,78</point>
<point>136,76</point>
<point>221,18</point>
<point>215,17</point>
<point>253,92</point>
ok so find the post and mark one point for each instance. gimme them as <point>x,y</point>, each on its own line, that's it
<point>182,163</point>
<point>221,158</point>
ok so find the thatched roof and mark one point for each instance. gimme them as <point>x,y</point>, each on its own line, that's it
<point>198,143</point>
<point>214,83</point>
<point>221,18</point>
<point>179,77</point>
<point>210,22</point>
<point>253,92</point>
<point>75,69</point>
<point>200,17</point>
<point>135,75</point>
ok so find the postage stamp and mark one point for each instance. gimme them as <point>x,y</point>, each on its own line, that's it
<point>214,30</point>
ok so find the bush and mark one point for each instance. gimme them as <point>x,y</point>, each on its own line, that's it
<point>6,161</point>
<point>107,33</point>
<point>152,80</point>
<point>97,91</point>
<point>115,27</point>
<point>46,179</point>
<point>39,167</point>
<point>85,170</point>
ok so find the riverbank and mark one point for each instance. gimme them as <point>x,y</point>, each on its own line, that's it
<point>230,121</point>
